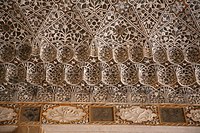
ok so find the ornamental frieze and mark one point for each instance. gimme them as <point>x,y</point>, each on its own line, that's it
<point>108,51</point>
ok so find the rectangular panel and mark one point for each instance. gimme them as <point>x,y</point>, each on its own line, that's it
<point>172,115</point>
<point>98,114</point>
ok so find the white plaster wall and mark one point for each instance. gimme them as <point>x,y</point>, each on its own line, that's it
<point>7,129</point>
<point>117,129</point>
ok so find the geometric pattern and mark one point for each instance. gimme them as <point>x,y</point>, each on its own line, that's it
<point>121,51</point>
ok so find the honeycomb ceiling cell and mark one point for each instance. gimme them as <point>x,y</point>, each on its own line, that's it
<point>119,51</point>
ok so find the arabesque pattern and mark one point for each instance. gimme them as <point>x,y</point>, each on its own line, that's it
<point>126,51</point>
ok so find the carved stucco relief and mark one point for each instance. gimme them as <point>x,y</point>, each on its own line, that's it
<point>64,114</point>
<point>194,115</point>
<point>99,44</point>
<point>7,114</point>
<point>136,114</point>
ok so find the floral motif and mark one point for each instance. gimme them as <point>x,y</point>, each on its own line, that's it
<point>180,95</point>
<point>47,52</point>
<point>118,94</point>
<point>120,54</point>
<point>11,73</point>
<point>7,52</point>
<point>55,73</point>
<point>120,31</point>
<point>104,53</point>
<point>87,8</point>
<point>64,54</point>
<point>100,94</point>
<point>175,55</point>
<point>82,93</point>
<point>178,6</point>
<point>194,115</point>
<point>111,75</point>
<point>92,74</point>
<point>35,73</point>
<point>64,30</point>
<point>192,54</point>
<point>45,94</point>
<point>64,114</point>
<point>147,74</point>
<point>26,92</point>
<point>11,29</point>
<point>194,6</point>
<point>82,52</point>
<point>166,75</point>
<point>24,51</point>
<point>136,114</point>
<point>185,75</point>
<point>7,114</point>
<point>73,74</point>
<point>136,53</point>
<point>159,54</point>
<point>63,94</point>
<point>129,74</point>
<point>94,48</point>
